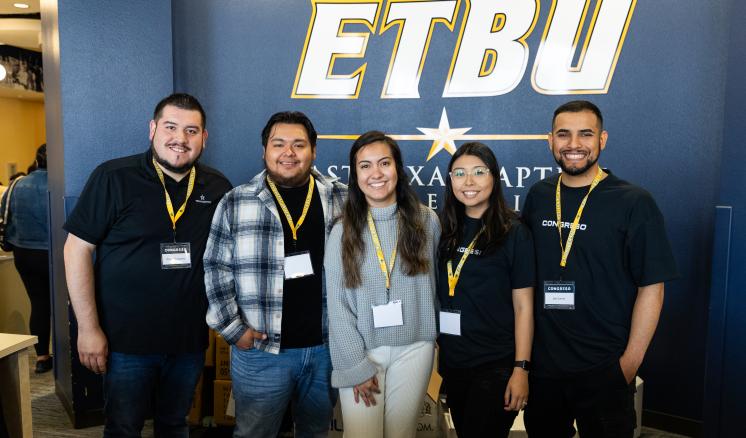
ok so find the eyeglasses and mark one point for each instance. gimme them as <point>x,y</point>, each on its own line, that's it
<point>477,172</point>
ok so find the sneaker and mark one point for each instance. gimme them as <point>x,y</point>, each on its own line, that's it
<point>42,366</point>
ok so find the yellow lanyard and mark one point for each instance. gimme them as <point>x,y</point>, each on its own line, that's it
<point>293,227</point>
<point>453,277</point>
<point>379,252</point>
<point>558,206</point>
<point>169,205</point>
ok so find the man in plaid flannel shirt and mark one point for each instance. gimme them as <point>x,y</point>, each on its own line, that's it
<point>263,276</point>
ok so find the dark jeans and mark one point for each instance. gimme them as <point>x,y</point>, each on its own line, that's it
<point>135,385</point>
<point>601,401</point>
<point>33,267</point>
<point>476,400</point>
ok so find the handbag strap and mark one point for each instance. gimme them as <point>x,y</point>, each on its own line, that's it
<point>7,199</point>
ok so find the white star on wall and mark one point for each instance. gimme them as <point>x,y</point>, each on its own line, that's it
<point>443,137</point>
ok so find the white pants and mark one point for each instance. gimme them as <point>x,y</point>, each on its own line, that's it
<point>403,375</point>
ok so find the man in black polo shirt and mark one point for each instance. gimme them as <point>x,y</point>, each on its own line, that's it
<point>602,258</point>
<point>140,304</point>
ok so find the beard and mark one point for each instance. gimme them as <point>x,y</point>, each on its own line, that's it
<point>293,181</point>
<point>168,166</point>
<point>574,171</point>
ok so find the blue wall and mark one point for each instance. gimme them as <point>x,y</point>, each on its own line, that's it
<point>726,399</point>
<point>106,65</point>
<point>663,111</point>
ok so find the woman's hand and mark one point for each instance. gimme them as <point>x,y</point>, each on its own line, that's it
<point>516,393</point>
<point>366,390</point>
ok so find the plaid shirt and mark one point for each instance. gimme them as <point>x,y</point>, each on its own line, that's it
<point>244,260</point>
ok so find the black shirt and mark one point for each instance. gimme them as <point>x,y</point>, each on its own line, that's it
<point>142,308</point>
<point>620,245</point>
<point>484,296</point>
<point>301,297</point>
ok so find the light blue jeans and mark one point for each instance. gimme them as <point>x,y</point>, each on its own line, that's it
<point>265,383</point>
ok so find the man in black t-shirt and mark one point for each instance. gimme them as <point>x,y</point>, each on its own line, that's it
<point>602,259</point>
<point>140,304</point>
<point>263,274</point>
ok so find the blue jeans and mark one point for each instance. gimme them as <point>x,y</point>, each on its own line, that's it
<point>264,384</point>
<point>136,385</point>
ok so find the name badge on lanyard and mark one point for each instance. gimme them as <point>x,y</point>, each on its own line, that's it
<point>176,255</point>
<point>450,322</point>
<point>388,315</point>
<point>298,265</point>
<point>559,295</point>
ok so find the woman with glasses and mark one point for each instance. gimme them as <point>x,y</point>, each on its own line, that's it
<point>485,289</point>
<point>380,284</point>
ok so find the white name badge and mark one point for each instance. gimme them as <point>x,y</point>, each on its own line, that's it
<point>559,295</point>
<point>298,265</point>
<point>388,315</point>
<point>450,322</point>
<point>176,256</point>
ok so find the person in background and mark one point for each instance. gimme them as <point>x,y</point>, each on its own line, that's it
<point>28,232</point>
<point>381,294</point>
<point>14,177</point>
<point>485,289</point>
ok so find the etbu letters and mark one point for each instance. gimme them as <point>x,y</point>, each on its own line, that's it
<point>490,55</point>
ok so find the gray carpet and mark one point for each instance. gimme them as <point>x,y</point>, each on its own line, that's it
<point>49,416</point>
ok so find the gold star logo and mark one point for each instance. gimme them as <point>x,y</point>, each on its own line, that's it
<point>443,136</point>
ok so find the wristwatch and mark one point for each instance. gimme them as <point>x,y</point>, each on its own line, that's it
<point>523,364</point>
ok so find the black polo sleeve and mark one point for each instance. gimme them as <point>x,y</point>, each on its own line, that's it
<point>95,212</point>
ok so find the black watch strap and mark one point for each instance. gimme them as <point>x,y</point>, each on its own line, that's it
<point>523,364</point>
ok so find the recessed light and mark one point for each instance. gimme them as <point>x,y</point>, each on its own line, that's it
<point>21,5</point>
<point>3,72</point>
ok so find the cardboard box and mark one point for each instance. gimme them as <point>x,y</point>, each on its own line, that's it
<point>222,359</point>
<point>222,392</point>
<point>210,352</point>
<point>195,412</point>
<point>428,422</point>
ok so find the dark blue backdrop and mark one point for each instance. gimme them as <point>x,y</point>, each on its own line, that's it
<point>665,112</point>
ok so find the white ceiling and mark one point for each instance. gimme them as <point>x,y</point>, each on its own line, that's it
<point>20,32</point>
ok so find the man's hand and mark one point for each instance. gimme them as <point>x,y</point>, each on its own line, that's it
<point>93,349</point>
<point>246,342</point>
<point>366,390</point>
<point>516,393</point>
<point>629,368</point>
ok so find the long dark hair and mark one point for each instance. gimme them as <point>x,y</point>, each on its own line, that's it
<point>411,226</point>
<point>496,219</point>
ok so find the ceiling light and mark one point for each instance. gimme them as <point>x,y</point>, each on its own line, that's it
<point>2,72</point>
<point>21,5</point>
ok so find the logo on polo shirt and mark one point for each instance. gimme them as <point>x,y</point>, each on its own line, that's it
<point>202,200</point>
<point>553,224</point>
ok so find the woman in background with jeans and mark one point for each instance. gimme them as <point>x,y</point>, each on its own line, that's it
<point>28,232</point>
